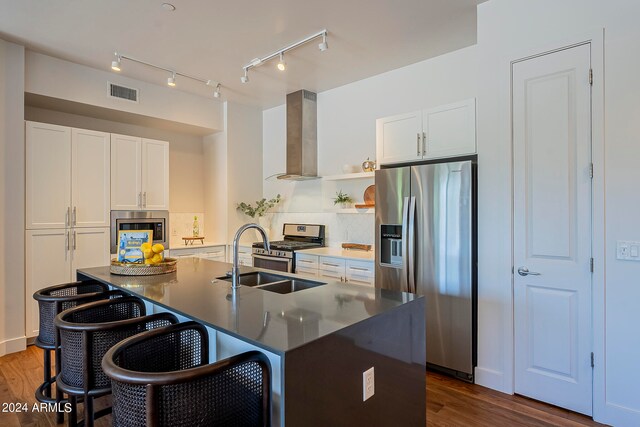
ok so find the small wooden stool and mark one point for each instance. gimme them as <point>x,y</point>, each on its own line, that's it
<point>189,240</point>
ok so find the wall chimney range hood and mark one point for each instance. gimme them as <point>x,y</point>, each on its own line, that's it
<point>302,137</point>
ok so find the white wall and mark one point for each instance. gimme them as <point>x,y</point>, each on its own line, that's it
<point>233,170</point>
<point>12,295</point>
<point>186,161</point>
<point>61,79</point>
<point>510,29</point>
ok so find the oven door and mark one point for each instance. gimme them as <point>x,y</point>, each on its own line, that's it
<point>273,263</point>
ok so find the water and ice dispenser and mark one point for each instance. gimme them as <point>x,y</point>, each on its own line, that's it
<point>391,245</point>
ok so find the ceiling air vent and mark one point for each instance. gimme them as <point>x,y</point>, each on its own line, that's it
<point>123,92</point>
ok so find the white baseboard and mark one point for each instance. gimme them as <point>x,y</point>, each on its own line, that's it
<point>13,345</point>
<point>491,379</point>
<point>617,415</point>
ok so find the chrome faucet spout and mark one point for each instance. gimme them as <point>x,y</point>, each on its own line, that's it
<point>235,274</point>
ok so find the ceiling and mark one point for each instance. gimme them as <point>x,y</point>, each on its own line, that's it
<point>215,39</point>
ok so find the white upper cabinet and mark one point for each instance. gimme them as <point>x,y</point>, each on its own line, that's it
<point>444,131</point>
<point>67,177</point>
<point>155,174</point>
<point>398,138</point>
<point>90,171</point>
<point>450,130</point>
<point>139,173</point>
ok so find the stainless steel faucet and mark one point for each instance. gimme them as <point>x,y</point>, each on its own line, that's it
<point>235,279</point>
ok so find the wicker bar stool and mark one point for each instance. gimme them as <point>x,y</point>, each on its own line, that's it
<point>86,333</point>
<point>162,378</point>
<point>52,301</point>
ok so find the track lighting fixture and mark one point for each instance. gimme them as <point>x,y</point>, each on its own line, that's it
<point>280,53</point>
<point>323,45</point>
<point>281,64</point>
<point>171,81</point>
<point>115,64</point>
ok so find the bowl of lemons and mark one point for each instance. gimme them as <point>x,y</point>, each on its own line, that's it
<point>154,263</point>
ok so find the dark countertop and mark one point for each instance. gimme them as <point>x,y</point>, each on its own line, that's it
<point>274,322</point>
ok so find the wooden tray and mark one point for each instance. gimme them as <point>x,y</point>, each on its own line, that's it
<point>357,246</point>
<point>190,240</point>
<point>169,265</point>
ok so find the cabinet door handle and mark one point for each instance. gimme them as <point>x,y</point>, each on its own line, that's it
<point>144,200</point>
<point>75,215</point>
<point>418,144</point>
<point>330,265</point>
<point>359,268</point>
<point>66,216</point>
<point>74,240</point>
<point>424,143</point>
<point>66,241</point>
<point>305,260</point>
<point>140,199</point>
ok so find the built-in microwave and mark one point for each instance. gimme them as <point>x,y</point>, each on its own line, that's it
<point>156,221</point>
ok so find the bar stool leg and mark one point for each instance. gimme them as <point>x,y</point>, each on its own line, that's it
<point>47,372</point>
<point>73,415</point>
<point>60,413</point>
<point>88,411</point>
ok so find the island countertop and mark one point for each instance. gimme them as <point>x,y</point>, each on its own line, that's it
<point>275,322</point>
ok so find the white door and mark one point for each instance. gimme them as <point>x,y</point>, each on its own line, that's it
<point>89,248</point>
<point>48,263</point>
<point>399,138</point>
<point>48,175</point>
<point>450,130</point>
<point>126,176</point>
<point>552,228</point>
<point>155,174</point>
<point>90,178</point>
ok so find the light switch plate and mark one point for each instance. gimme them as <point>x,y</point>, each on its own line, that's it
<point>628,250</point>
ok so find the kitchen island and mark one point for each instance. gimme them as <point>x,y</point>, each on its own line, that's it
<point>319,340</point>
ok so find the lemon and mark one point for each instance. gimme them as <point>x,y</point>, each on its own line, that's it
<point>157,258</point>
<point>148,253</point>
<point>145,246</point>
<point>148,261</point>
<point>158,248</point>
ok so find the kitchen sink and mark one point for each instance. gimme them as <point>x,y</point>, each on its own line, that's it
<point>274,282</point>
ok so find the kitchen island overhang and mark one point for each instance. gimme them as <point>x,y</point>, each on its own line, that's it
<point>319,340</point>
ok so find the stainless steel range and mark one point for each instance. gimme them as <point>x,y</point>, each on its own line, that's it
<point>281,256</point>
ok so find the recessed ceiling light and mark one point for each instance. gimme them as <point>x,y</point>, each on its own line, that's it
<point>168,6</point>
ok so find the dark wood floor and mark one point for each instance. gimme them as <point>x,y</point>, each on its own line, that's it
<point>450,402</point>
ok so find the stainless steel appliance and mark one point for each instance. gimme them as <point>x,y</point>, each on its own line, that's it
<point>426,244</point>
<point>281,257</point>
<point>157,221</point>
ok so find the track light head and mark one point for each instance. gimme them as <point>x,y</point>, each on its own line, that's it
<point>115,64</point>
<point>171,81</point>
<point>281,64</point>
<point>216,94</point>
<point>323,45</point>
<point>245,78</point>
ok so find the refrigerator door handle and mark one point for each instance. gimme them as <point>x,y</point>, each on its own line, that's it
<point>405,261</point>
<point>411,245</point>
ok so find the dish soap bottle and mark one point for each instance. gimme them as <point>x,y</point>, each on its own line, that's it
<point>196,227</point>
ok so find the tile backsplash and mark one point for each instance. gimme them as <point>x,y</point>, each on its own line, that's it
<point>340,227</point>
<point>181,225</point>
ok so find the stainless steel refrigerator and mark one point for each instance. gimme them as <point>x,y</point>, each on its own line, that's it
<point>426,244</point>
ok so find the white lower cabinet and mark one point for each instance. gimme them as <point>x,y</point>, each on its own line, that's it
<point>335,269</point>
<point>214,253</point>
<point>54,255</point>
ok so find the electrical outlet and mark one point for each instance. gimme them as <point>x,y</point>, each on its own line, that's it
<point>368,384</point>
<point>628,250</point>
<point>174,232</point>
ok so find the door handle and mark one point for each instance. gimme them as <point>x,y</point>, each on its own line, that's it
<point>418,144</point>
<point>74,240</point>
<point>405,245</point>
<point>144,199</point>
<point>67,221</point>
<point>524,271</point>
<point>75,215</point>
<point>424,143</point>
<point>140,199</point>
<point>411,245</point>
